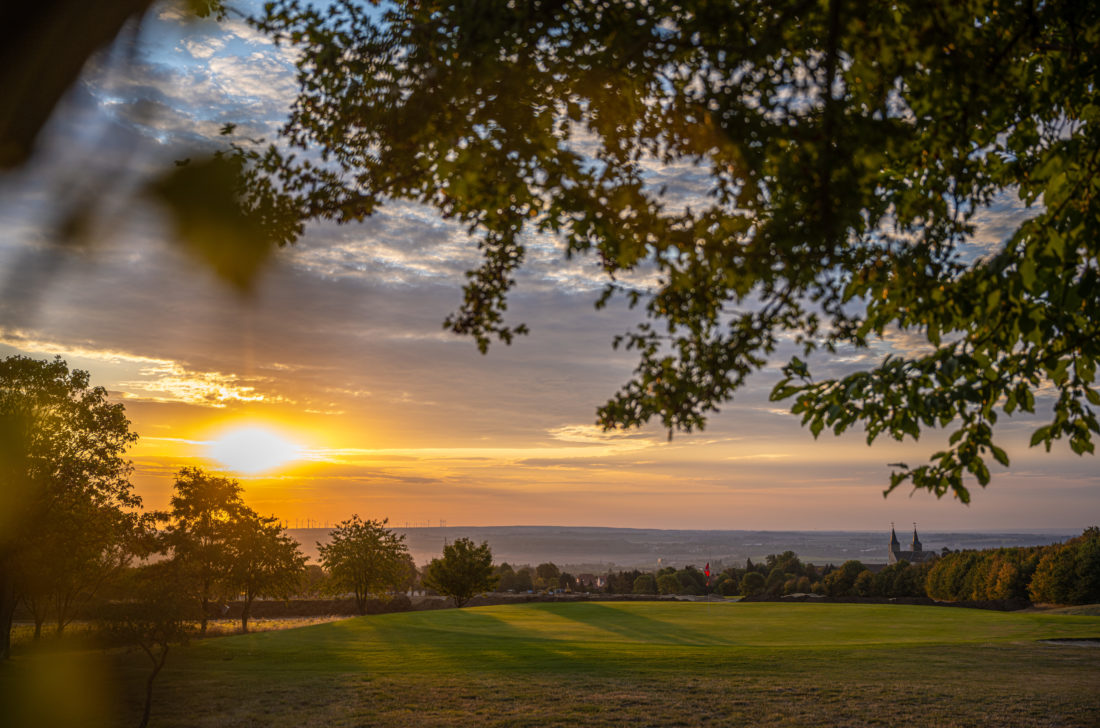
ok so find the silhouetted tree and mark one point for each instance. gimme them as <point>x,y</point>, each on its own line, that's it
<point>265,561</point>
<point>464,571</point>
<point>81,546</point>
<point>313,580</point>
<point>204,510</point>
<point>365,558</point>
<point>62,446</point>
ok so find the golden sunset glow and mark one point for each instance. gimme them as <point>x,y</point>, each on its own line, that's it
<point>253,450</point>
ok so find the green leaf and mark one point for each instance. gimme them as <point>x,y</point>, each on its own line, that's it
<point>1040,435</point>
<point>1027,273</point>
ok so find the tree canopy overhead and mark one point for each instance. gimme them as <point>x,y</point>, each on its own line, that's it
<point>846,149</point>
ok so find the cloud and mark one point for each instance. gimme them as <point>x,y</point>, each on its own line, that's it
<point>168,381</point>
<point>202,47</point>
<point>594,435</point>
<point>581,447</point>
<point>995,223</point>
<point>159,380</point>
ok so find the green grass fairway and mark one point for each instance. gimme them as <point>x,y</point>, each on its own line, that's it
<point>642,664</point>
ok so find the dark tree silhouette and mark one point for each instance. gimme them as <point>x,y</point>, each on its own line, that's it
<point>81,546</point>
<point>266,562</point>
<point>365,558</point>
<point>205,510</point>
<point>62,446</point>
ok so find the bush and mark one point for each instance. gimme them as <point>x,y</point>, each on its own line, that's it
<point>752,584</point>
<point>840,582</point>
<point>864,585</point>
<point>729,588</point>
<point>668,584</point>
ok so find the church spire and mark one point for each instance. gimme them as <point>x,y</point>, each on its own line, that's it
<point>895,547</point>
<point>916,540</point>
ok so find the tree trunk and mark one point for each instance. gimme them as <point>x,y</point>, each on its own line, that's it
<point>245,613</point>
<point>203,618</point>
<point>157,665</point>
<point>65,611</point>
<point>38,614</point>
<point>7,608</point>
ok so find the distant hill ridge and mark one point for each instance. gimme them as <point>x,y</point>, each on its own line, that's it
<point>593,548</point>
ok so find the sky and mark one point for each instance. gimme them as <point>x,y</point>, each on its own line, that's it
<point>339,350</point>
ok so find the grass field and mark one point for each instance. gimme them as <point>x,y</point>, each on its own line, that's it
<point>642,664</point>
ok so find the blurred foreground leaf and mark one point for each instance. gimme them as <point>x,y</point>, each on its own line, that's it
<point>203,199</point>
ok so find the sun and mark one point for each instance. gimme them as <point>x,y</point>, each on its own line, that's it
<point>253,450</point>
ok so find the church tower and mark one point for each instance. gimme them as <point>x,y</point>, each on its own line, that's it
<point>895,546</point>
<point>915,547</point>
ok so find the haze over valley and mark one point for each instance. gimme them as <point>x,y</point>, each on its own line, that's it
<point>581,549</point>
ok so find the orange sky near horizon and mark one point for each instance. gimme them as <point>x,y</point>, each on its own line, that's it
<point>586,477</point>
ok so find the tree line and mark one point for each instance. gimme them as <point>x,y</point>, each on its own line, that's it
<point>1063,573</point>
